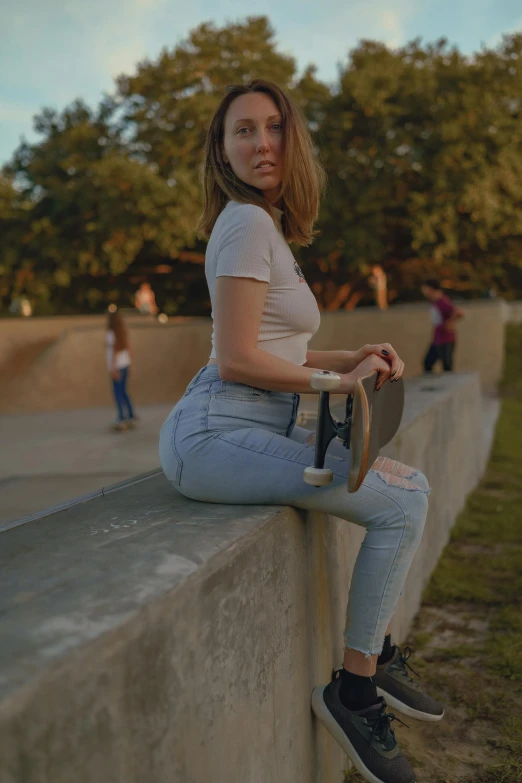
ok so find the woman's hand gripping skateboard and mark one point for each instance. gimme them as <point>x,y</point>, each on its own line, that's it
<point>374,408</point>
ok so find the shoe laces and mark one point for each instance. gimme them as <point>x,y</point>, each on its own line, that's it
<point>382,729</point>
<point>402,662</point>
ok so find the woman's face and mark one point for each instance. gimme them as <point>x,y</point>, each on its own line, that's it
<point>253,142</point>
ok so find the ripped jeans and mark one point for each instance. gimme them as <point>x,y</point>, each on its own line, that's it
<point>225,442</point>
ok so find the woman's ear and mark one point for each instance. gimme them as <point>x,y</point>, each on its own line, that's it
<point>224,156</point>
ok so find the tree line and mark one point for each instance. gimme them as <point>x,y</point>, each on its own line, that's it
<point>422,146</point>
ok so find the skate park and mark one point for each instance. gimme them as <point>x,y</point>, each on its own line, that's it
<point>121,580</point>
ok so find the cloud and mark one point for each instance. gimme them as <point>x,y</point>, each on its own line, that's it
<point>496,39</point>
<point>390,22</point>
<point>330,36</point>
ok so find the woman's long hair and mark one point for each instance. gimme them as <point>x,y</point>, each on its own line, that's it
<point>116,324</point>
<point>303,178</point>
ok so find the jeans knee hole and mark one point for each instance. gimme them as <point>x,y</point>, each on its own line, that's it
<point>393,480</point>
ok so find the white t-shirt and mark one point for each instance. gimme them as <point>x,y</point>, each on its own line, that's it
<point>122,357</point>
<point>436,316</point>
<point>245,242</point>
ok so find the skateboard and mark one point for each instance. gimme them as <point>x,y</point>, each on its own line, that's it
<point>372,419</point>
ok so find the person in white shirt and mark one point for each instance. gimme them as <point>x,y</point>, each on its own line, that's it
<point>232,437</point>
<point>118,355</point>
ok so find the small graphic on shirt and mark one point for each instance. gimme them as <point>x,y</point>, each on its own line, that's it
<point>299,273</point>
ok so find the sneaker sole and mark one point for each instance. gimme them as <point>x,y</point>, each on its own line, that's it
<point>395,704</point>
<point>327,719</point>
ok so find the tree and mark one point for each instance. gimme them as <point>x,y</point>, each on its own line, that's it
<point>118,187</point>
<point>93,208</point>
<point>422,147</point>
<point>168,104</point>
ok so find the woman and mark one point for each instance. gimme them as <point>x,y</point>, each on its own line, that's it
<point>232,437</point>
<point>118,354</point>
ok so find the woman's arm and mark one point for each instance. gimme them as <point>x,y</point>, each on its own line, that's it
<point>238,308</point>
<point>335,361</point>
<point>346,361</point>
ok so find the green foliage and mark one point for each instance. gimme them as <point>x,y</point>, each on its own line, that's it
<point>169,103</point>
<point>423,152</point>
<point>422,146</point>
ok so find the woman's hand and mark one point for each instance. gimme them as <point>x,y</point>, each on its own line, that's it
<point>384,351</point>
<point>115,375</point>
<point>372,363</point>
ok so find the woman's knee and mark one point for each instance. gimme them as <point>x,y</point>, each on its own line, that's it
<point>399,474</point>
<point>421,481</point>
<point>408,502</point>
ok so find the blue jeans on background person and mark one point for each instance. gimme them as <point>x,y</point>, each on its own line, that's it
<point>123,402</point>
<point>444,353</point>
<point>226,442</point>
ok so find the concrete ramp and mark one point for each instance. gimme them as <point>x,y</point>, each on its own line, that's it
<point>66,372</point>
<point>17,368</point>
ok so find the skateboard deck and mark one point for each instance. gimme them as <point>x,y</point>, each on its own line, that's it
<point>372,419</point>
<point>376,417</point>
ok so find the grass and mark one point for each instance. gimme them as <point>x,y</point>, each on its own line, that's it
<point>478,581</point>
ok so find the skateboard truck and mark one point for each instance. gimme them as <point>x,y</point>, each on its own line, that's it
<point>327,428</point>
<point>373,417</point>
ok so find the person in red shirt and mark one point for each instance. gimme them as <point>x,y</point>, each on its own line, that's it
<point>444,316</point>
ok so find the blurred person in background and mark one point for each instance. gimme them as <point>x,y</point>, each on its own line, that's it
<point>118,352</point>
<point>21,306</point>
<point>145,300</point>
<point>378,281</point>
<point>444,315</point>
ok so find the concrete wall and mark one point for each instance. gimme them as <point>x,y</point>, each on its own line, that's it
<point>145,637</point>
<point>480,346</point>
<point>71,373</point>
<point>513,312</point>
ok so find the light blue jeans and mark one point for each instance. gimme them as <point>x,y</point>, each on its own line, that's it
<point>225,442</point>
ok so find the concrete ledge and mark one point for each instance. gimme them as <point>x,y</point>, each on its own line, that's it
<point>146,637</point>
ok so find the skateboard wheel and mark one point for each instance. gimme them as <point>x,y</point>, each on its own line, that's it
<point>325,381</point>
<point>318,477</point>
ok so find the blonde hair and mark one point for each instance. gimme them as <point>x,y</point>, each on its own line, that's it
<point>303,178</point>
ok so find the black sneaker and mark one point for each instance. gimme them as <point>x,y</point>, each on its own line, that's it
<point>401,692</point>
<point>365,736</point>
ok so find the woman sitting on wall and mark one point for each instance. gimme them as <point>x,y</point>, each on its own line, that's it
<point>232,438</point>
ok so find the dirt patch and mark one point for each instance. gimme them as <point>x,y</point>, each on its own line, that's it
<point>463,745</point>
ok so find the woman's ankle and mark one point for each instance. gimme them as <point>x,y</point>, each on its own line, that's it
<point>356,692</point>
<point>359,663</point>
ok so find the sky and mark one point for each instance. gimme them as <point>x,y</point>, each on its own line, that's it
<point>53,51</point>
